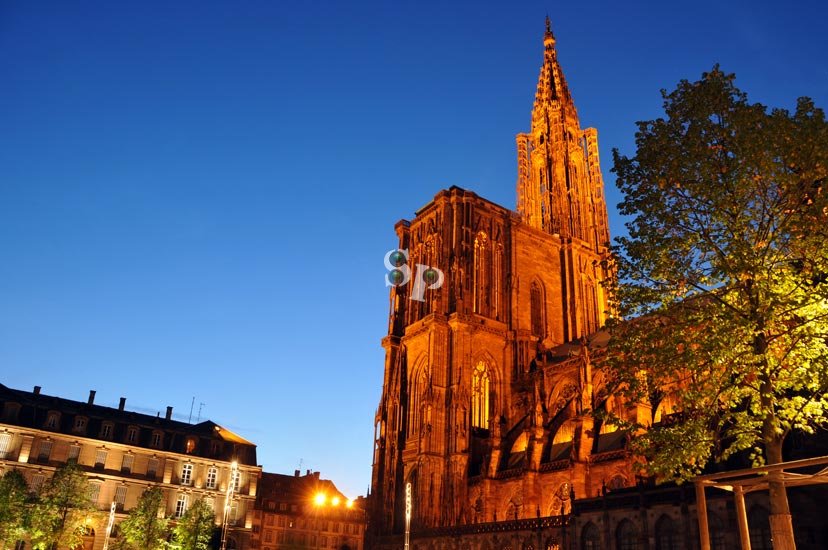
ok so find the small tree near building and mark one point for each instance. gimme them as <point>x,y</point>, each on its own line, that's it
<point>63,511</point>
<point>195,529</point>
<point>14,493</point>
<point>725,272</point>
<point>145,528</point>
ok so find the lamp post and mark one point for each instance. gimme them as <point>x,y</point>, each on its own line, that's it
<point>109,525</point>
<point>231,487</point>
<point>407,513</point>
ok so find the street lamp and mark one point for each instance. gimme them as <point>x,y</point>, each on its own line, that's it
<point>109,525</point>
<point>231,487</point>
<point>407,513</point>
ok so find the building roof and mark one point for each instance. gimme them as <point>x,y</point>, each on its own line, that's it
<point>31,409</point>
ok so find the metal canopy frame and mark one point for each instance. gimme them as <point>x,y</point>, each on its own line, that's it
<point>750,480</point>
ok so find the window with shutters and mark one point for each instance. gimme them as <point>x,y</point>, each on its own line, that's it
<point>74,453</point>
<point>120,496</point>
<point>152,467</point>
<point>37,482</point>
<point>94,492</point>
<point>126,463</point>
<point>44,451</point>
<point>100,459</point>
<point>5,445</point>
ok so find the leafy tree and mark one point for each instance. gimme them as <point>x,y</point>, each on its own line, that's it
<point>726,271</point>
<point>195,529</point>
<point>13,495</point>
<point>145,527</point>
<point>60,515</point>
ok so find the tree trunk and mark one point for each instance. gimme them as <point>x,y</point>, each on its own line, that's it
<point>781,526</point>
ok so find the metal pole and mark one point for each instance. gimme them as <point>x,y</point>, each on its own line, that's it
<point>231,486</point>
<point>741,516</point>
<point>407,513</point>
<point>109,525</point>
<point>701,513</point>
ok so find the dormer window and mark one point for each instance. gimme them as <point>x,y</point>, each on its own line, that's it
<point>80,424</point>
<point>132,435</point>
<point>11,411</point>
<point>157,439</point>
<point>106,430</point>
<point>189,447</point>
<point>52,420</point>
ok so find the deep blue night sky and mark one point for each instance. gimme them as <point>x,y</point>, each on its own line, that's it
<point>195,198</point>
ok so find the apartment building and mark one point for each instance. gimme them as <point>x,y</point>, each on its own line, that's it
<point>125,452</point>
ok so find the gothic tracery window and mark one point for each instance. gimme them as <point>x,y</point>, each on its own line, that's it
<point>480,396</point>
<point>536,309</point>
<point>480,280</point>
<point>497,282</point>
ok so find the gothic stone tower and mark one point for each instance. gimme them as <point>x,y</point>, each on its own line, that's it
<point>476,399</point>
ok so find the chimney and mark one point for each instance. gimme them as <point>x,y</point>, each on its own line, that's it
<point>316,475</point>
<point>122,403</point>
<point>36,390</point>
<point>91,397</point>
<point>307,472</point>
<point>296,473</point>
<point>169,413</point>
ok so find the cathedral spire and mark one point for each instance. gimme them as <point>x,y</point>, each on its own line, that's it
<point>548,37</point>
<point>559,180</point>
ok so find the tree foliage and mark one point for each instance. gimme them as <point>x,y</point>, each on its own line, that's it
<point>725,271</point>
<point>63,510</point>
<point>145,528</point>
<point>195,529</point>
<point>13,496</point>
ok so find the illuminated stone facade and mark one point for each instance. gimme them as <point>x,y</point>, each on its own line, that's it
<point>486,377</point>
<point>124,452</point>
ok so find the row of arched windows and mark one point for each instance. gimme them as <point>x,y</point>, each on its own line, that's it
<point>628,536</point>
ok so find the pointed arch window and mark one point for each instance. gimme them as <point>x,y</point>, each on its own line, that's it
<point>666,535</point>
<point>480,279</point>
<point>536,310</point>
<point>416,401</point>
<point>480,396</point>
<point>590,537</point>
<point>626,536</point>
<point>497,282</point>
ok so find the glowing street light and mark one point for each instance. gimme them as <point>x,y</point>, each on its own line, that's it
<point>231,486</point>
<point>335,501</point>
<point>407,513</point>
<point>109,525</point>
<point>320,499</point>
<point>349,503</point>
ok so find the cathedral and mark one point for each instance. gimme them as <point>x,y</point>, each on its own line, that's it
<point>487,376</point>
